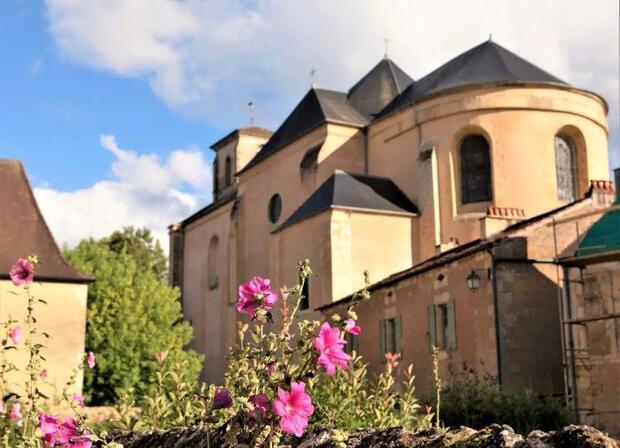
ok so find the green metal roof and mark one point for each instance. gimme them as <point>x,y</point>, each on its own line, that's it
<point>603,236</point>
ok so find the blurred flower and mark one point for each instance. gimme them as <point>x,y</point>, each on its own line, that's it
<point>43,374</point>
<point>90,360</point>
<point>351,328</point>
<point>15,414</point>
<point>330,347</point>
<point>294,408</point>
<point>79,399</point>
<point>48,425</point>
<point>261,405</point>
<point>392,359</point>
<point>21,272</point>
<point>222,399</point>
<point>16,334</point>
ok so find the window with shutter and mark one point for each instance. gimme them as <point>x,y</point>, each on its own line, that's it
<point>305,295</point>
<point>390,334</point>
<point>475,164</point>
<point>451,325</point>
<point>565,168</point>
<point>382,342</point>
<point>432,328</point>
<point>352,344</point>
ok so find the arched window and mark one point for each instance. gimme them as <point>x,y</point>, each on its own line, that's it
<point>229,173</point>
<point>212,263</point>
<point>565,168</point>
<point>475,170</point>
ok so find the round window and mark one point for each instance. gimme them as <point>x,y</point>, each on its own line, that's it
<point>275,208</point>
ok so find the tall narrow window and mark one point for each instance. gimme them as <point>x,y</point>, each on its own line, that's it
<point>229,173</point>
<point>475,170</point>
<point>390,336</point>
<point>442,325</point>
<point>305,295</point>
<point>212,263</point>
<point>215,176</point>
<point>565,168</point>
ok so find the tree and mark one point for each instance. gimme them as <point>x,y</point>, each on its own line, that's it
<point>132,315</point>
<point>141,245</point>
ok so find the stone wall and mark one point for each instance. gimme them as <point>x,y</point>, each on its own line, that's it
<point>493,436</point>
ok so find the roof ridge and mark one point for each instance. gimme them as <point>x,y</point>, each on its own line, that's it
<point>394,77</point>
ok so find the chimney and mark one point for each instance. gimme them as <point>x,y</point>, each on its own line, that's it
<point>617,177</point>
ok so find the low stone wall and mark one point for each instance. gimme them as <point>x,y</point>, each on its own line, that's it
<point>494,436</point>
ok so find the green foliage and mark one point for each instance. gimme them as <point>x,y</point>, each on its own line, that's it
<point>476,402</point>
<point>132,314</point>
<point>141,245</point>
<point>352,399</point>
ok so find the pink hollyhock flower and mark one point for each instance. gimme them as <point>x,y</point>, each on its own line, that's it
<point>261,405</point>
<point>392,359</point>
<point>294,408</point>
<point>15,414</point>
<point>90,360</point>
<point>68,436</point>
<point>21,272</point>
<point>49,428</point>
<point>16,334</point>
<point>43,374</point>
<point>254,295</point>
<point>329,345</point>
<point>222,399</point>
<point>79,399</point>
<point>351,328</point>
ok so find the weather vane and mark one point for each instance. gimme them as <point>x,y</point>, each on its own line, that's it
<point>252,111</point>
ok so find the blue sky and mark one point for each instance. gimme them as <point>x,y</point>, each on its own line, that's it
<point>112,104</point>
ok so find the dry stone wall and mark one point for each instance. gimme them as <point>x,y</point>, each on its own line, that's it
<point>493,436</point>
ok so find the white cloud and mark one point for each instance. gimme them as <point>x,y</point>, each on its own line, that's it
<point>144,191</point>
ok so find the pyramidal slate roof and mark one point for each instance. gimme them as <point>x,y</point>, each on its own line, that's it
<point>318,106</point>
<point>23,231</point>
<point>354,191</point>
<point>378,88</point>
<point>487,63</point>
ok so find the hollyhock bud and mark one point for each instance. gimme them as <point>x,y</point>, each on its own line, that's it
<point>21,272</point>
<point>43,374</point>
<point>16,334</point>
<point>392,359</point>
<point>330,345</point>
<point>255,296</point>
<point>294,408</point>
<point>222,399</point>
<point>90,360</point>
<point>352,328</point>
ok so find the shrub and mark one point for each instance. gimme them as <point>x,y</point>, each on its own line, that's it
<point>131,316</point>
<point>476,402</point>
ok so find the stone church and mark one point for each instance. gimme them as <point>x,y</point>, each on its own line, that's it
<point>445,188</point>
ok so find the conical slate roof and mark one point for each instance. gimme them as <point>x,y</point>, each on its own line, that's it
<point>487,63</point>
<point>355,191</point>
<point>23,230</point>
<point>378,88</point>
<point>317,107</point>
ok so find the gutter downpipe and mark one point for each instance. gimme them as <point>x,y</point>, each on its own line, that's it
<point>496,315</point>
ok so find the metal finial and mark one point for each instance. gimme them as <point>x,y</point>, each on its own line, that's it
<point>386,43</point>
<point>490,37</point>
<point>252,111</point>
<point>312,76</point>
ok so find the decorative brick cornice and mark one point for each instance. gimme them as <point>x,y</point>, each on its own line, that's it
<point>506,212</point>
<point>604,186</point>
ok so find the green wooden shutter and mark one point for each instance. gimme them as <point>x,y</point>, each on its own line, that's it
<point>451,330</point>
<point>382,339</point>
<point>355,343</point>
<point>398,336</point>
<point>432,331</point>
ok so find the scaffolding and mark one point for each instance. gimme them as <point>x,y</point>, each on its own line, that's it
<point>588,314</point>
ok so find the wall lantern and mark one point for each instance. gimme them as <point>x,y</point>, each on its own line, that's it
<point>473,279</point>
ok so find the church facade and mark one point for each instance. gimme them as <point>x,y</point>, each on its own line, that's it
<point>422,183</point>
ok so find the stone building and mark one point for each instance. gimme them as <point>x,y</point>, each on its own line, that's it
<point>423,183</point>
<point>23,231</point>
